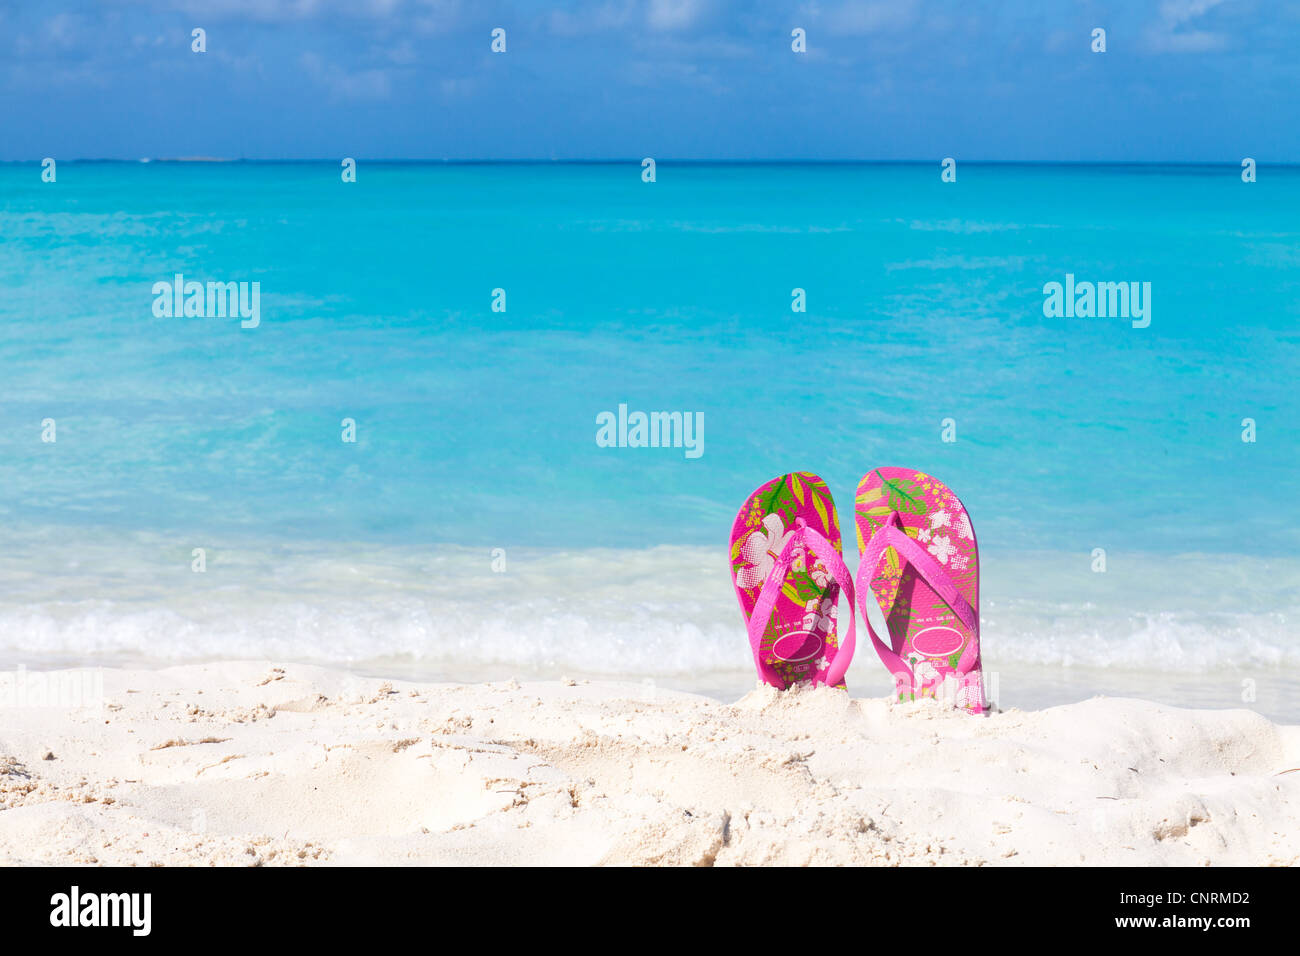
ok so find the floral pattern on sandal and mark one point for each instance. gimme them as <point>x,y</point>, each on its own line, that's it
<point>934,652</point>
<point>800,641</point>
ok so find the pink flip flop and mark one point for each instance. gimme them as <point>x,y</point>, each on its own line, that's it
<point>921,564</point>
<point>788,574</point>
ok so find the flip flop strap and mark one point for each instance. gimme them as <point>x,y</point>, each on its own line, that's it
<point>891,535</point>
<point>813,541</point>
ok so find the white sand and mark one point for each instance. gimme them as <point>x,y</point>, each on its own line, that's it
<point>247,764</point>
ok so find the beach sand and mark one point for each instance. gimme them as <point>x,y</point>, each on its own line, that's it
<point>261,764</point>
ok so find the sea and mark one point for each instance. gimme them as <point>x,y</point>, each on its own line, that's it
<point>397,465</point>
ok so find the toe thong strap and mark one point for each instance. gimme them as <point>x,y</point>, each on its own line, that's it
<point>891,535</point>
<point>814,541</point>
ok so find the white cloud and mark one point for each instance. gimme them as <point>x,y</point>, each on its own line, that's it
<point>266,11</point>
<point>673,14</point>
<point>856,19</point>
<point>1192,41</point>
<point>458,87</point>
<point>660,74</point>
<point>595,19</point>
<point>1180,11</point>
<point>66,30</point>
<point>1168,34</point>
<point>288,11</point>
<point>369,84</point>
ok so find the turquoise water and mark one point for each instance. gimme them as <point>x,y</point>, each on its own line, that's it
<point>476,429</point>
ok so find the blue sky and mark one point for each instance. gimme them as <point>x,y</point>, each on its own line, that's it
<point>1182,80</point>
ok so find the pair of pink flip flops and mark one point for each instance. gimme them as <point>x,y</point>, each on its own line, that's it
<point>919,562</point>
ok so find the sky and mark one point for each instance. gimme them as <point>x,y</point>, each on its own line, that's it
<point>1016,80</point>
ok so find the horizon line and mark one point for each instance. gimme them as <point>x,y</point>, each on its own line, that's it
<point>200,160</point>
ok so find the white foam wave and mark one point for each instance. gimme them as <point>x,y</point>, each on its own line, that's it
<point>659,612</point>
